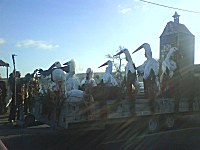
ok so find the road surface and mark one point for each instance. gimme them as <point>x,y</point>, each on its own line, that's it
<point>184,136</point>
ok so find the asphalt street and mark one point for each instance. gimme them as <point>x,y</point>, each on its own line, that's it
<point>129,135</point>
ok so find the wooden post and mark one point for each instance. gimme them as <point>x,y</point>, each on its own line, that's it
<point>14,72</point>
<point>7,72</point>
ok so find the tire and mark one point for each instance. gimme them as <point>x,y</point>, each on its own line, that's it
<point>153,124</point>
<point>29,120</point>
<point>170,121</point>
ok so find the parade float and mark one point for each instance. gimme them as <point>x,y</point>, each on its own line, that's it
<point>169,89</point>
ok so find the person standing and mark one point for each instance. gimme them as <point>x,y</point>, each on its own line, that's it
<point>3,94</point>
<point>89,80</point>
<point>17,88</point>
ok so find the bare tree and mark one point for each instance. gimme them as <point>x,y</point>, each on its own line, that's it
<point>115,59</point>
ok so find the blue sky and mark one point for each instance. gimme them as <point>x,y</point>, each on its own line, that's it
<point>41,32</point>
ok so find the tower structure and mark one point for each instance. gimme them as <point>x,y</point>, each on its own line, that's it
<point>177,35</point>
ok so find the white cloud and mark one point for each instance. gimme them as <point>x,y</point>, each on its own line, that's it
<point>124,10</point>
<point>138,5</point>
<point>2,41</point>
<point>36,44</point>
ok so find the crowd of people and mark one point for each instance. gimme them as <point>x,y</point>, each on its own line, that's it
<point>23,90</point>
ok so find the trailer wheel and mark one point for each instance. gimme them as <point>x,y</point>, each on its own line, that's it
<point>153,124</point>
<point>29,120</point>
<point>170,121</point>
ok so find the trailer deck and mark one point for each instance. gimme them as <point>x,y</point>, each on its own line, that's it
<point>72,114</point>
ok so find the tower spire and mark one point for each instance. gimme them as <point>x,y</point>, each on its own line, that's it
<point>176,17</point>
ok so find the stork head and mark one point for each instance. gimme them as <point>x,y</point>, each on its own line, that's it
<point>127,54</point>
<point>56,64</point>
<point>72,66</point>
<point>65,69</point>
<point>148,52</point>
<point>67,63</point>
<point>171,53</point>
<point>120,52</point>
<point>109,63</point>
<point>109,68</point>
<point>173,49</point>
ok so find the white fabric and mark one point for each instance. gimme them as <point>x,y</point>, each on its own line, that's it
<point>109,80</point>
<point>74,95</point>
<point>72,83</point>
<point>58,75</point>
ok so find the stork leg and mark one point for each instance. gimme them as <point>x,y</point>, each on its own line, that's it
<point>131,97</point>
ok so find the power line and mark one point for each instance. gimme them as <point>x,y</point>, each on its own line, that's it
<point>169,7</point>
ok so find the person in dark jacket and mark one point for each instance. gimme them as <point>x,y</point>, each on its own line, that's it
<point>3,94</point>
<point>17,87</point>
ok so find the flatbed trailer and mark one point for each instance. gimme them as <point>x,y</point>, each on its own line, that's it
<point>72,114</point>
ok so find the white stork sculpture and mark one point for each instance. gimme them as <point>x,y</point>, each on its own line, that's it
<point>130,66</point>
<point>52,79</point>
<point>71,82</point>
<point>149,65</point>
<point>169,64</point>
<point>108,79</point>
<point>59,77</point>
